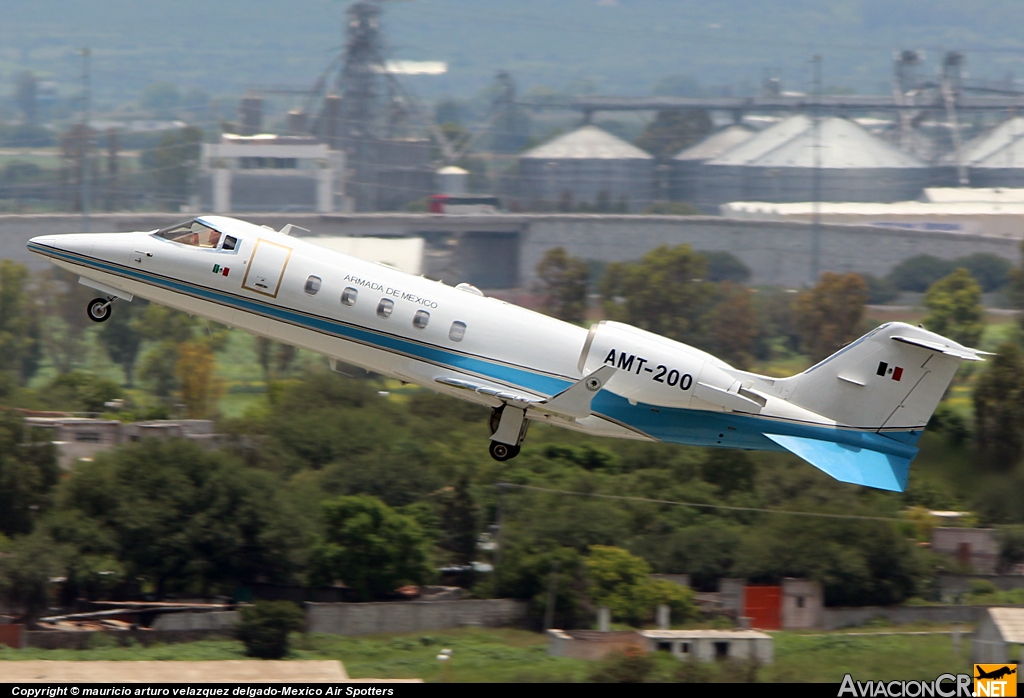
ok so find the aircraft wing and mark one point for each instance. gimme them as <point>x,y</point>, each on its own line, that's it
<point>574,401</point>
<point>518,399</point>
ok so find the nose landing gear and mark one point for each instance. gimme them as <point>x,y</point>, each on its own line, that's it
<point>508,429</point>
<point>98,309</point>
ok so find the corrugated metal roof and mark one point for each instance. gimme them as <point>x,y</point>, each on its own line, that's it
<point>587,143</point>
<point>716,144</point>
<point>996,147</point>
<point>843,145</point>
<point>1010,622</point>
<point>753,209</point>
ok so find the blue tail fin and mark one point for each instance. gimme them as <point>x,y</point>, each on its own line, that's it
<point>858,466</point>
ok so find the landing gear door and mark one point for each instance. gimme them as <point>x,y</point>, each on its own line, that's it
<point>266,267</point>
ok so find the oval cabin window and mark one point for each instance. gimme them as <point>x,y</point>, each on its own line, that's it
<point>313,285</point>
<point>457,332</point>
<point>384,308</point>
<point>349,295</point>
<point>420,319</point>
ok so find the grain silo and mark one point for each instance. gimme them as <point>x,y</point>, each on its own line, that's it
<point>993,159</point>
<point>686,182</point>
<point>588,169</point>
<point>780,164</point>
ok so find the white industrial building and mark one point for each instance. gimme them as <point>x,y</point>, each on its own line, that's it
<point>267,172</point>
<point>998,630</point>
<point>783,162</point>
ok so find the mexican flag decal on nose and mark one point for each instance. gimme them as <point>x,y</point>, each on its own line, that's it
<point>218,269</point>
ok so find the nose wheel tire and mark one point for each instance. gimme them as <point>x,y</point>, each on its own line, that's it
<point>98,309</point>
<point>503,452</point>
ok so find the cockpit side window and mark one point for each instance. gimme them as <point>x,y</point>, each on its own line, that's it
<point>229,243</point>
<point>192,233</point>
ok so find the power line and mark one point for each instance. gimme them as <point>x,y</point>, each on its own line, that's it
<point>699,505</point>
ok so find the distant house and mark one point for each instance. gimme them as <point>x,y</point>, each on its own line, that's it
<point>712,645</point>
<point>976,547</point>
<point>997,630</point>
<point>78,438</point>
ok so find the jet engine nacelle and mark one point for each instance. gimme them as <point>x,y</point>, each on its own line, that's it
<point>658,371</point>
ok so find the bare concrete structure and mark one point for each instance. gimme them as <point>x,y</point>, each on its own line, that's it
<point>79,438</point>
<point>998,630</point>
<point>271,173</point>
<point>709,645</point>
<point>976,547</point>
<point>802,604</point>
<point>593,644</point>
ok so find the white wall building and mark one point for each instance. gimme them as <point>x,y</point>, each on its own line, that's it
<point>271,173</point>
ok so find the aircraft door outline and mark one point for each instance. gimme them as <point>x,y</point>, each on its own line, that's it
<point>266,268</point>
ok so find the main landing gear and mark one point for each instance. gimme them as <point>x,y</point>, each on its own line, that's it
<point>98,309</point>
<point>508,428</point>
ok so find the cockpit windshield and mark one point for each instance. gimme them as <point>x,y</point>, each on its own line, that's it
<point>192,233</point>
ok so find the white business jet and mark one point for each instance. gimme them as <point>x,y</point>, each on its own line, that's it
<point>857,415</point>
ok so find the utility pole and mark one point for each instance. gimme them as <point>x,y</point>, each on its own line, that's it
<point>816,211</point>
<point>86,138</point>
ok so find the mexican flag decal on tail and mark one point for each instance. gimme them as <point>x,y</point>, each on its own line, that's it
<point>218,269</point>
<point>894,372</point>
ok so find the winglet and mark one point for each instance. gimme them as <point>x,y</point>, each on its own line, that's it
<point>574,401</point>
<point>858,466</point>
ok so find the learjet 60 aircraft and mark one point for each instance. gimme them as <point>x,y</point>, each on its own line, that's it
<point>856,415</point>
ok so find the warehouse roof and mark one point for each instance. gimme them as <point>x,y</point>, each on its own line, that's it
<point>587,143</point>
<point>842,143</point>
<point>1010,622</point>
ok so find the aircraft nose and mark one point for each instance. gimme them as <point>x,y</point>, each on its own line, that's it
<point>43,240</point>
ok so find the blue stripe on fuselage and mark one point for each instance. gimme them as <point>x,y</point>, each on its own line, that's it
<point>694,427</point>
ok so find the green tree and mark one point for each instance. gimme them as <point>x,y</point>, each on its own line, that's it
<point>830,314</point>
<point>26,569</point>
<point>999,408</point>
<point>264,628</point>
<point>991,271</point>
<point>121,337</point>
<point>184,518</point>
<point>622,582</point>
<point>461,519</point>
<point>370,547</point>
<point>857,562</point>
<point>731,326</point>
<point>918,273</point>
<point>19,322</point>
<point>167,329</point>
<point>725,266</point>
<point>672,130</point>
<point>562,281</point>
<point>28,474</point>
<point>80,392</point>
<point>170,166</point>
<point>729,470</point>
<point>64,320</point>
<point>954,305</point>
<point>665,292</point>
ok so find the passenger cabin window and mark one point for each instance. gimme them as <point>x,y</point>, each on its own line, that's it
<point>420,319</point>
<point>349,295</point>
<point>192,233</point>
<point>457,332</point>
<point>229,243</point>
<point>313,285</point>
<point>384,308</point>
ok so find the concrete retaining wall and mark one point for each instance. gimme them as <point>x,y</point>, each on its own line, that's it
<point>411,616</point>
<point>834,618</point>
<point>217,620</point>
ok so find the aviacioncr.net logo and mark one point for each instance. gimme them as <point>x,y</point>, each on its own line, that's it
<point>945,686</point>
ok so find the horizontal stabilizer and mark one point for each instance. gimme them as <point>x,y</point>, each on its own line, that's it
<point>858,466</point>
<point>949,348</point>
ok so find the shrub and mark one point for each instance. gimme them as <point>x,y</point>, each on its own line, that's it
<point>265,626</point>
